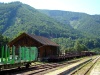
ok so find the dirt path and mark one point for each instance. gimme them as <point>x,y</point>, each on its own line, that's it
<point>96,69</point>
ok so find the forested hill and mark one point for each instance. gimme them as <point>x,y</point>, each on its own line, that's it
<point>16,17</point>
<point>63,27</point>
<point>84,22</point>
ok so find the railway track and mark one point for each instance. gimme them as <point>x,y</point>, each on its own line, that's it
<point>47,67</point>
<point>85,68</point>
<point>38,68</point>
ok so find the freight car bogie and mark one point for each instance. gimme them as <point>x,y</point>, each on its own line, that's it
<point>27,65</point>
<point>10,66</point>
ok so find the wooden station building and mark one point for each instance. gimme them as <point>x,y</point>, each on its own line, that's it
<point>45,46</point>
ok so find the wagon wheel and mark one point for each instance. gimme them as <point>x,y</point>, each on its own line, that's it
<point>28,65</point>
<point>19,68</point>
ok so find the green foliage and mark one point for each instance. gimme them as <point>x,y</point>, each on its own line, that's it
<point>89,24</point>
<point>79,47</point>
<point>23,18</point>
<point>81,44</point>
<point>97,50</point>
<point>63,27</point>
<point>70,49</point>
<point>3,40</point>
<point>64,42</point>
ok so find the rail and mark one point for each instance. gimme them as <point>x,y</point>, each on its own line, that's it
<point>85,73</point>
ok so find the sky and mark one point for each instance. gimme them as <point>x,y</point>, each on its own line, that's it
<point>85,6</point>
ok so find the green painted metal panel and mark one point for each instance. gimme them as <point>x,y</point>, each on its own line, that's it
<point>5,55</point>
<point>20,53</point>
<point>33,53</point>
<point>30,55</point>
<point>2,55</point>
<point>13,55</point>
<point>8,54</point>
<point>25,54</point>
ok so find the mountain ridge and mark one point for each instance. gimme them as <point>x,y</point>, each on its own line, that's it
<point>80,21</point>
<point>65,28</point>
<point>20,17</point>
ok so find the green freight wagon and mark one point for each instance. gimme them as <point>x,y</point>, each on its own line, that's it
<point>10,59</point>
